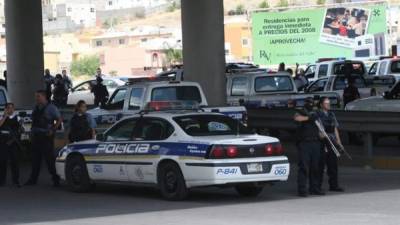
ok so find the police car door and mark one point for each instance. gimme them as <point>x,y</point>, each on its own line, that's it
<point>150,137</point>
<point>114,153</point>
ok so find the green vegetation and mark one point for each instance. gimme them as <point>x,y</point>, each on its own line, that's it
<point>282,3</point>
<point>108,23</point>
<point>174,6</point>
<point>321,2</point>
<point>85,66</point>
<point>174,56</point>
<point>240,9</point>
<point>265,5</point>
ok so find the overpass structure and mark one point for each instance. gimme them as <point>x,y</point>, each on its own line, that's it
<point>203,48</point>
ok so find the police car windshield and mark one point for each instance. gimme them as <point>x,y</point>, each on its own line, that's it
<point>210,125</point>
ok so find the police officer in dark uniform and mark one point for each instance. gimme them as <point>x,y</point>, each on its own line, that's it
<point>328,157</point>
<point>10,130</point>
<point>100,92</point>
<point>309,148</point>
<point>46,119</point>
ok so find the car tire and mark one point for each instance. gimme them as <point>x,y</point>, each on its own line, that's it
<point>171,182</point>
<point>249,190</point>
<point>77,176</point>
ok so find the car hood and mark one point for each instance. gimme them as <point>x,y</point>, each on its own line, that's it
<point>365,104</point>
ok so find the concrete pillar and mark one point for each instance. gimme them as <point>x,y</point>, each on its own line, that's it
<point>203,47</point>
<point>24,42</point>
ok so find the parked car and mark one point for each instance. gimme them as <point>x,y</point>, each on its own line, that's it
<point>82,91</point>
<point>386,66</point>
<point>260,89</point>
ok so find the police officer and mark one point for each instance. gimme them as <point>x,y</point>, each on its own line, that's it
<point>82,124</point>
<point>328,157</point>
<point>100,92</point>
<point>48,81</point>
<point>10,129</point>
<point>309,147</point>
<point>46,119</point>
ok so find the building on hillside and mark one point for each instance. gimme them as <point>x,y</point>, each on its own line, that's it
<point>68,17</point>
<point>147,58</point>
<point>126,4</point>
<point>135,37</point>
<point>238,45</point>
<point>69,48</point>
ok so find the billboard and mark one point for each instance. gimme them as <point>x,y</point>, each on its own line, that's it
<point>303,36</point>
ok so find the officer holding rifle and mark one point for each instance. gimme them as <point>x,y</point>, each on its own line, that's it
<point>10,131</point>
<point>328,155</point>
<point>309,150</point>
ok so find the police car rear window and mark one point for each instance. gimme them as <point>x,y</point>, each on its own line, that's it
<point>177,93</point>
<point>357,68</point>
<point>210,125</point>
<point>273,84</point>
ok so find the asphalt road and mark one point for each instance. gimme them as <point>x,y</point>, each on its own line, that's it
<point>372,197</point>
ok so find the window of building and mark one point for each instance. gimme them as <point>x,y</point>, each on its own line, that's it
<point>121,41</point>
<point>110,3</point>
<point>245,42</point>
<point>99,43</point>
<point>69,9</point>
<point>91,9</point>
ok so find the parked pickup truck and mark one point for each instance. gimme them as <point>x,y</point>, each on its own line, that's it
<point>268,90</point>
<point>133,98</point>
<point>388,102</point>
<point>332,68</point>
<point>338,83</point>
<point>387,66</point>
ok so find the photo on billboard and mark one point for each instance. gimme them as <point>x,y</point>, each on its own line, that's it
<point>343,25</point>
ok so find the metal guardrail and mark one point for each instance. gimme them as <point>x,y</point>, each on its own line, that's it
<point>367,123</point>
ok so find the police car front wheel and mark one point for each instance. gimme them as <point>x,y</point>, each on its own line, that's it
<point>249,190</point>
<point>77,176</point>
<point>171,182</point>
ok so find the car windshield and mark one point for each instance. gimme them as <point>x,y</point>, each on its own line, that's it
<point>395,67</point>
<point>176,93</point>
<point>210,125</point>
<point>357,68</point>
<point>273,84</point>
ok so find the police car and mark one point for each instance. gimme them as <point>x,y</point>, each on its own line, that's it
<point>175,151</point>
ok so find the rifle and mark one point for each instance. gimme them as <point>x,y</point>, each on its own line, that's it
<point>332,145</point>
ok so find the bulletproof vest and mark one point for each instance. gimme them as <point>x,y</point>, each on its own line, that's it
<point>80,129</point>
<point>328,122</point>
<point>39,119</point>
<point>10,124</point>
<point>307,130</point>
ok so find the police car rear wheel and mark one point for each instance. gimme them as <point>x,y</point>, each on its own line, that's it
<point>249,190</point>
<point>77,176</point>
<point>171,182</point>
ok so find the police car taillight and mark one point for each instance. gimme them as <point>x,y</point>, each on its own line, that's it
<point>269,150</point>
<point>232,151</point>
<point>172,105</point>
<point>273,149</point>
<point>217,152</point>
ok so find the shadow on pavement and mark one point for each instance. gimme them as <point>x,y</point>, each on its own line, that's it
<point>43,203</point>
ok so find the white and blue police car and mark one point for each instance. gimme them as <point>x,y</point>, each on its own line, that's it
<point>175,151</point>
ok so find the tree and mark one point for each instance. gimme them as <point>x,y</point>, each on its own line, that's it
<point>263,5</point>
<point>85,66</point>
<point>321,2</point>
<point>240,9</point>
<point>174,56</point>
<point>282,3</point>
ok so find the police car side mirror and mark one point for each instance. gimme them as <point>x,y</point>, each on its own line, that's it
<point>100,137</point>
